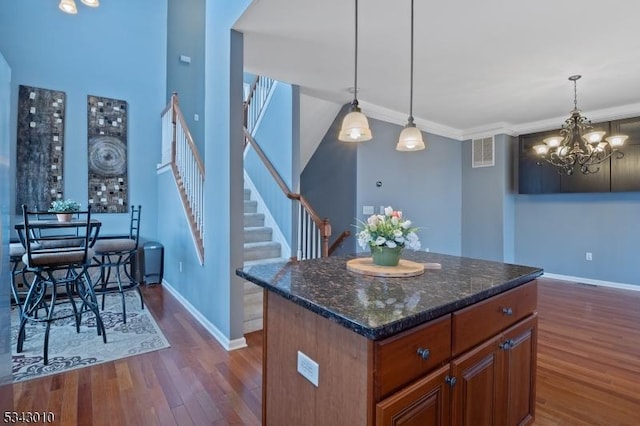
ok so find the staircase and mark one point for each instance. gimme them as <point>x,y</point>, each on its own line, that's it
<point>258,247</point>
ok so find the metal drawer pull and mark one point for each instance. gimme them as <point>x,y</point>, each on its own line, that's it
<point>451,381</point>
<point>508,344</point>
<point>507,311</point>
<point>424,353</point>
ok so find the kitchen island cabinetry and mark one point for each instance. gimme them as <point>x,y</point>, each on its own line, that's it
<point>398,351</point>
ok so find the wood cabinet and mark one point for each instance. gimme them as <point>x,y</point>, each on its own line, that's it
<point>614,175</point>
<point>489,376</point>
<point>474,366</point>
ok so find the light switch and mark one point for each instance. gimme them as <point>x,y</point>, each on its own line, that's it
<point>367,209</point>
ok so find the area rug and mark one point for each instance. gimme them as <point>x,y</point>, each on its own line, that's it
<point>69,350</point>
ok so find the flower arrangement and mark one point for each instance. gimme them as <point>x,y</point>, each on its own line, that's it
<point>64,206</point>
<point>390,229</point>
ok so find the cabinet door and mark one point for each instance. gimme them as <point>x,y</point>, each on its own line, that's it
<point>424,403</point>
<point>625,172</point>
<point>477,374</point>
<point>534,178</point>
<point>519,345</point>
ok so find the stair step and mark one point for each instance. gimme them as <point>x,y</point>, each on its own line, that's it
<point>253,219</point>
<point>257,233</point>
<point>262,250</point>
<point>250,206</point>
<point>247,194</point>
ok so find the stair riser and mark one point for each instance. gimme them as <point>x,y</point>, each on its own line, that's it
<point>247,194</point>
<point>250,206</point>
<point>261,253</point>
<point>251,236</point>
<point>253,220</point>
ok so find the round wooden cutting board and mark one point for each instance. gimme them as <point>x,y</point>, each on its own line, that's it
<point>365,265</point>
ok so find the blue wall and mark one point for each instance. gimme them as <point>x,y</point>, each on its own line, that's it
<point>329,182</point>
<point>186,20</point>
<point>274,134</point>
<point>554,231</point>
<point>487,204</point>
<point>117,50</point>
<point>6,379</point>
<point>426,185</point>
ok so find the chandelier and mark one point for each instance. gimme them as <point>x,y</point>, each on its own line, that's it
<point>579,145</point>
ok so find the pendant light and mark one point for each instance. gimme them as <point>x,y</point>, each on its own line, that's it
<point>355,126</point>
<point>91,3</point>
<point>411,137</point>
<point>68,6</point>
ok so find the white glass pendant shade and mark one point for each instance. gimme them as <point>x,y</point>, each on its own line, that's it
<point>617,141</point>
<point>91,3</point>
<point>355,127</point>
<point>594,137</point>
<point>68,6</point>
<point>410,139</point>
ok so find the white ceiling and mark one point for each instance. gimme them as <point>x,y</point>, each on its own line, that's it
<point>480,65</point>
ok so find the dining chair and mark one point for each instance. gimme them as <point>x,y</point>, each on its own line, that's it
<point>58,262</point>
<point>116,258</point>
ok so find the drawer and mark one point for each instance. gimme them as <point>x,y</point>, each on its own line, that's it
<point>476,323</point>
<point>397,358</point>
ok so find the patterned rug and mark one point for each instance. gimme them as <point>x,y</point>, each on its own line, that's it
<point>69,350</point>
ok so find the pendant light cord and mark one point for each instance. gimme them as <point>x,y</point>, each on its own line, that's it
<point>411,72</point>
<point>355,78</point>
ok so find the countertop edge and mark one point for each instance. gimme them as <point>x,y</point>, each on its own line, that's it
<point>393,328</point>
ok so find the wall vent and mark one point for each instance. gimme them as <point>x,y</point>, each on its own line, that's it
<point>483,152</point>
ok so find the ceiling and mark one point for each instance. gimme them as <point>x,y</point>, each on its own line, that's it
<point>480,66</point>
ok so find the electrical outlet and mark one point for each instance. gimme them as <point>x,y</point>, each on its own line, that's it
<point>367,209</point>
<point>180,266</point>
<point>426,249</point>
<point>588,255</point>
<point>308,368</point>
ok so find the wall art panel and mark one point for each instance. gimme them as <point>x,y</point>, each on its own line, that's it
<point>40,147</point>
<point>107,154</point>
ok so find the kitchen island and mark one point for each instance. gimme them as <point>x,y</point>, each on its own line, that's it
<point>455,345</point>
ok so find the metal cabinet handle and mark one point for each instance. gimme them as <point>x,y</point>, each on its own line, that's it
<point>424,353</point>
<point>507,344</point>
<point>451,381</point>
<point>507,311</point>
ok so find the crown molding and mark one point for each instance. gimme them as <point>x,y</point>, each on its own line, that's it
<point>399,118</point>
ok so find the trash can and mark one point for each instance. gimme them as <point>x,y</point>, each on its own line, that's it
<point>153,262</point>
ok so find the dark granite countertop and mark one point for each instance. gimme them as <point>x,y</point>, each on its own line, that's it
<point>377,307</point>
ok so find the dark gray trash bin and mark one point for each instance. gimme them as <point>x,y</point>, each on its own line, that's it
<point>153,263</point>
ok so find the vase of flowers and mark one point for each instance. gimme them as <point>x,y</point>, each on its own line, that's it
<point>386,235</point>
<point>64,209</point>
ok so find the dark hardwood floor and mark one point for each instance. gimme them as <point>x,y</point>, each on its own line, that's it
<point>588,369</point>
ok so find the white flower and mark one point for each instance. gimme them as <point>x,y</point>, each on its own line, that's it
<point>406,224</point>
<point>412,241</point>
<point>380,241</point>
<point>400,240</point>
<point>373,220</point>
<point>397,233</point>
<point>388,211</point>
<point>394,221</point>
<point>391,244</point>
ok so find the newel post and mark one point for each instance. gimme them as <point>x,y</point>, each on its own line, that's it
<point>326,233</point>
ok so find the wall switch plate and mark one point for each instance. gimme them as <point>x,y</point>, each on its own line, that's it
<point>588,256</point>
<point>308,368</point>
<point>381,210</point>
<point>196,117</point>
<point>367,209</point>
<point>185,59</point>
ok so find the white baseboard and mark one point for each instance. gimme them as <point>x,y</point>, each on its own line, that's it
<point>601,283</point>
<point>228,345</point>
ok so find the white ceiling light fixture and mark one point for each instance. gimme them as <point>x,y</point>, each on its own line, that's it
<point>69,6</point>
<point>355,126</point>
<point>411,137</point>
<point>578,145</point>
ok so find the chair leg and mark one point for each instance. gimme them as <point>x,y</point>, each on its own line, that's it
<point>85,290</point>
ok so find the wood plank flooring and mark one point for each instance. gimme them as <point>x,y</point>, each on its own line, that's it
<point>588,369</point>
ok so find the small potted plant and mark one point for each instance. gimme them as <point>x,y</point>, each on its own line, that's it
<point>64,209</point>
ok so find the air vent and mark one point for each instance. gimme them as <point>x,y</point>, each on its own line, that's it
<point>483,152</point>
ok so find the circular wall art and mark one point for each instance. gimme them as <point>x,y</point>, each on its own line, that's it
<point>107,156</point>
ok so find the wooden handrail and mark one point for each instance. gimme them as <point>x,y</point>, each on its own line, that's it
<point>178,116</point>
<point>338,241</point>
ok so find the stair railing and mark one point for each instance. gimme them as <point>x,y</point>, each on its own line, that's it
<point>313,232</point>
<point>188,169</point>
<point>256,100</point>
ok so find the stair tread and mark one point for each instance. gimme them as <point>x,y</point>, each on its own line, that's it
<point>261,261</point>
<point>262,244</point>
